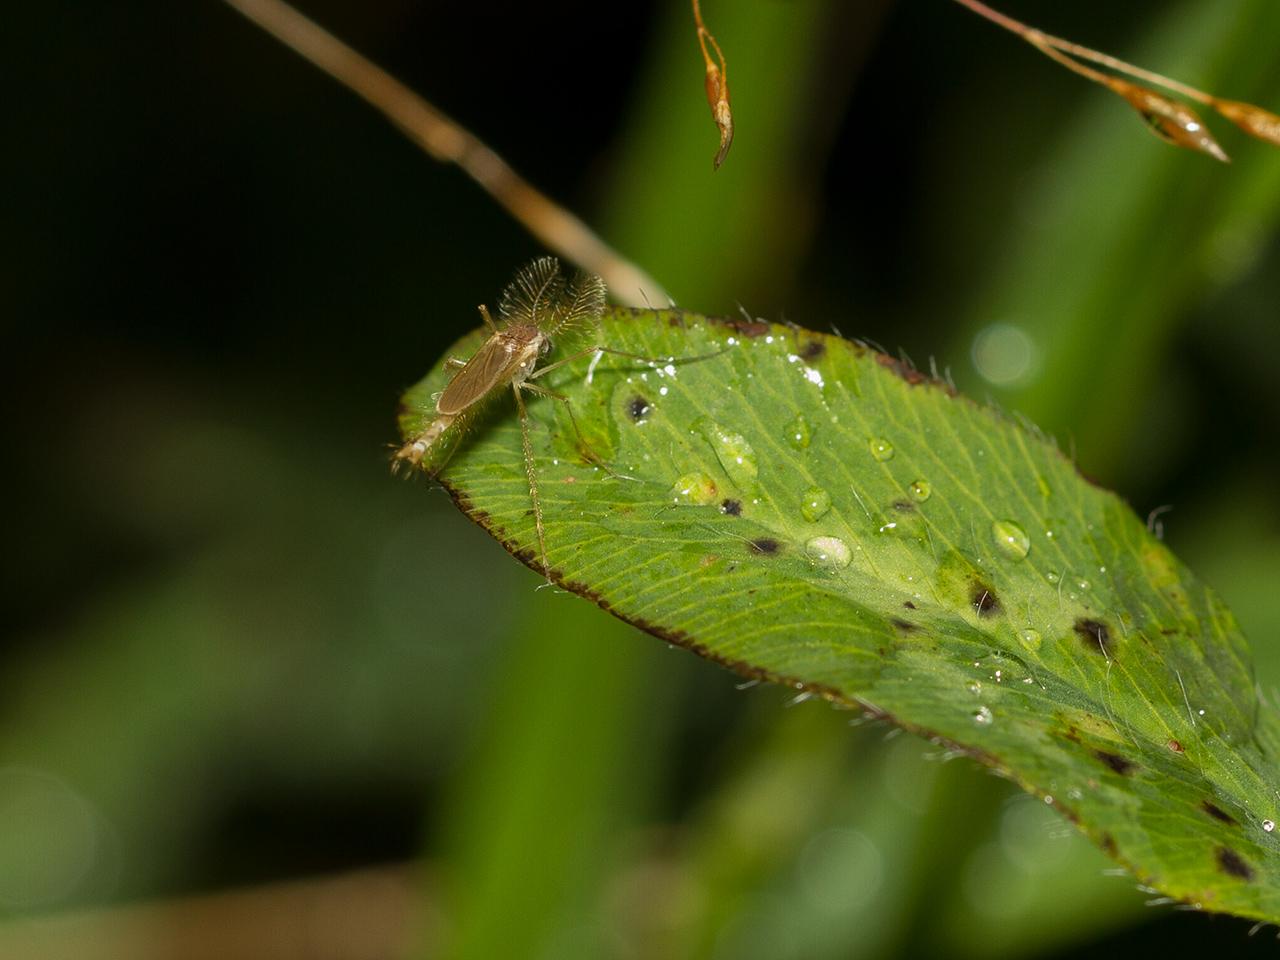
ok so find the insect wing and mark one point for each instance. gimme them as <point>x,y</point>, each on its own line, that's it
<point>490,366</point>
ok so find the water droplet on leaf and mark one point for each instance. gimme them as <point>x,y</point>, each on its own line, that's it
<point>735,454</point>
<point>829,552</point>
<point>815,504</point>
<point>982,716</point>
<point>798,432</point>
<point>1030,638</point>
<point>1011,539</point>
<point>694,489</point>
<point>881,448</point>
<point>921,490</point>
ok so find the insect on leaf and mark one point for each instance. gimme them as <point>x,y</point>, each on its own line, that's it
<point>805,510</point>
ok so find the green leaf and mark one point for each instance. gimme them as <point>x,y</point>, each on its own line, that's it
<point>805,510</point>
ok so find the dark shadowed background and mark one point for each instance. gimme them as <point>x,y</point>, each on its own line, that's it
<point>238,656</point>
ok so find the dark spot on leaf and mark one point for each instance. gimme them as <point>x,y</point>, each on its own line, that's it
<point>906,506</point>
<point>1094,633</point>
<point>767,546</point>
<point>813,350</point>
<point>731,507</point>
<point>1215,811</point>
<point>907,373</point>
<point>1168,631</point>
<point>984,600</point>
<point>1174,745</point>
<point>908,604</point>
<point>910,373</point>
<point>1233,864</point>
<point>903,626</point>
<point>748,328</point>
<point>1117,763</point>
<point>638,407</point>
<point>1108,843</point>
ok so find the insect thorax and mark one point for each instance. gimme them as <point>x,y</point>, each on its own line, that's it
<point>527,342</point>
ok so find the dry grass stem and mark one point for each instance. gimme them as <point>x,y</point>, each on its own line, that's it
<point>717,84</point>
<point>448,142</point>
<point>1170,120</point>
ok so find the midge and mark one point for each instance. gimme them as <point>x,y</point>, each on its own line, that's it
<point>538,308</point>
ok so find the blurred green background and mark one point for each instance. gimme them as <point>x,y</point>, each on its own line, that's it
<point>259,699</point>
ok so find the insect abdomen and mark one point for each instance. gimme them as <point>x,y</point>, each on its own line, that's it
<point>417,448</point>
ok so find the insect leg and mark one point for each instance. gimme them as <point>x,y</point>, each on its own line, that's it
<point>583,446</point>
<point>531,473</point>
<point>617,353</point>
<point>586,353</point>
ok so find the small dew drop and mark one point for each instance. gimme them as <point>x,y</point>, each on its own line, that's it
<point>694,490</point>
<point>975,688</point>
<point>1030,638</point>
<point>1083,585</point>
<point>881,448</point>
<point>1268,825</point>
<point>982,716</point>
<point>1011,539</point>
<point>815,504</point>
<point>831,552</point>
<point>798,432</point>
<point>735,454</point>
<point>921,490</point>
<point>1052,577</point>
